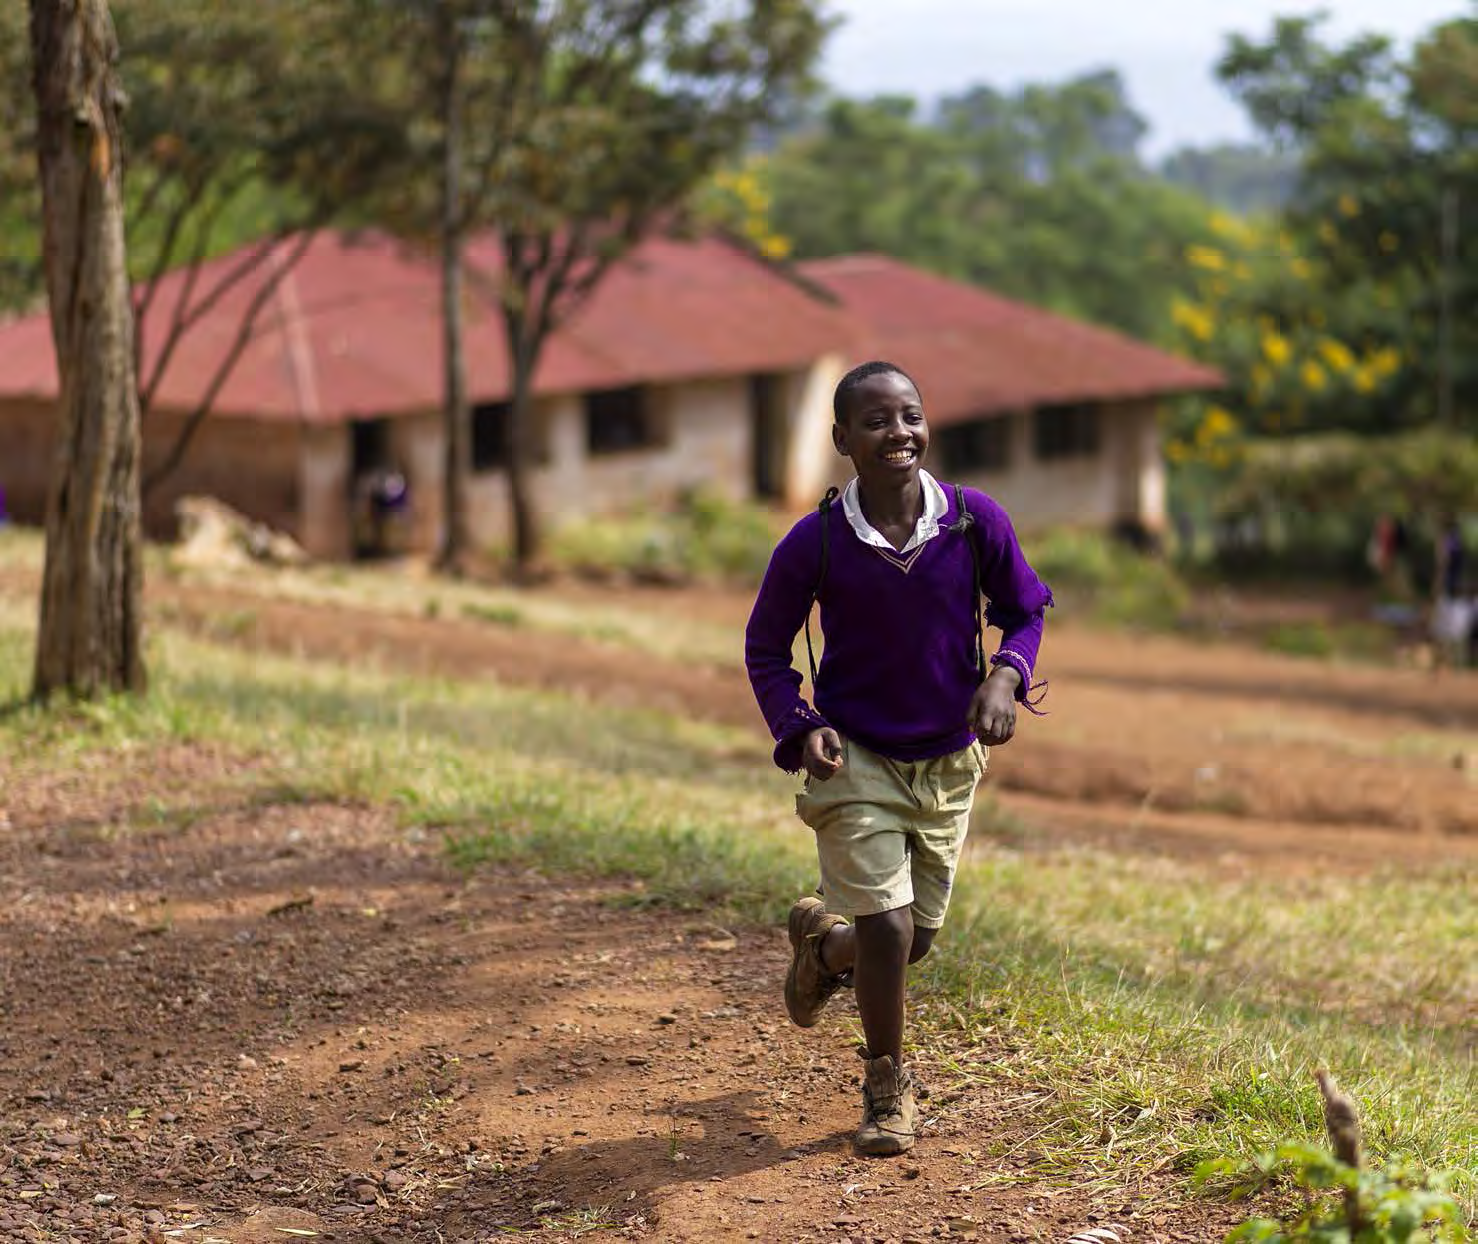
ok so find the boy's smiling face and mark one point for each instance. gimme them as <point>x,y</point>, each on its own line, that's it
<point>884,432</point>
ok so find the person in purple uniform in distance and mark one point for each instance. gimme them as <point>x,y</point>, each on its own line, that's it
<point>905,705</point>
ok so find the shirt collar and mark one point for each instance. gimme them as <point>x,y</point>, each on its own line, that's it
<point>936,505</point>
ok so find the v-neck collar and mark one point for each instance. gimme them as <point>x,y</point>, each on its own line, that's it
<point>936,506</point>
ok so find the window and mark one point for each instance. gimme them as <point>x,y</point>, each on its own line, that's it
<point>984,445</point>
<point>1060,432</point>
<point>619,420</point>
<point>492,424</point>
<point>369,446</point>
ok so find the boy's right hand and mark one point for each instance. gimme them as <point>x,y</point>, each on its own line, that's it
<point>823,754</point>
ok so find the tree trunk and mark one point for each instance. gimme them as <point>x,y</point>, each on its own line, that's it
<point>522,356</point>
<point>90,635</point>
<point>456,537</point>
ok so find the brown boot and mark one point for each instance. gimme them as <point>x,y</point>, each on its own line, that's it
<point>887,1108</point>
<point>808,985</point>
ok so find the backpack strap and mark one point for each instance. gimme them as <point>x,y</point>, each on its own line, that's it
<point>964,524</point>
<point>824,509</point>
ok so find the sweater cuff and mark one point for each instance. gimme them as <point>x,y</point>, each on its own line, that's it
<point>790,733</point>
<point>1018,662</point>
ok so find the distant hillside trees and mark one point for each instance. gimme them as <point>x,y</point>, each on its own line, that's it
<point>1037,193</point>
<point>1243,178</point>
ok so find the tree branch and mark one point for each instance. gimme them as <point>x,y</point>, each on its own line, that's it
<point>244,334</point>
<point>162,262</point>
<point>184,319</point>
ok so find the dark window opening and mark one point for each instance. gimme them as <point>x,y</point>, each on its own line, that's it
<point>767,435</point>
<point>1060,432</point>
<point>619,420</point>
<point>492,429</point>
<point>984,445</point>
<point>369,447</point>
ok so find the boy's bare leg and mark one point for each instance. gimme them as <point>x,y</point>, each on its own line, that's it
<point>878,949</point>
<point>839,949</point>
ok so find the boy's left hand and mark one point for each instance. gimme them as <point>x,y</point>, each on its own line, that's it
<point>993,707</point>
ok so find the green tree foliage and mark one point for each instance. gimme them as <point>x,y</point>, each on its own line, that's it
<point>1245,178</point>
<point>595,120</point>
<point>226,105</point>
<point>1038,194</point>
<point>1387,204</point>
<point>20,193</point>
<point>243,123</point>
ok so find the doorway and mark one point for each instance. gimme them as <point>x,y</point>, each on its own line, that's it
<point>767,436</point>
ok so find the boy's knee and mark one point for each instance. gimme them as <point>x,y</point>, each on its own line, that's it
<point>889,933</point>
<point>923,939</point>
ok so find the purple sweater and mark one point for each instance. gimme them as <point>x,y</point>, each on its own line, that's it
<point>898,670</point>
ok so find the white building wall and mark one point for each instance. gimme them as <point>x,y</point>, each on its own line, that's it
<point>813,464</point>
<point>1123,481</point>
<point>705,431</point>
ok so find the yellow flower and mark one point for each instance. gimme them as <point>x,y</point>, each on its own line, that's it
<point>1365,380</point>
<point>1313,375</point>
<point>1301,268</point>
<point>1336,354</point>
<point>1348,205</point>
<point>1219,424</point>
<point>1233,228</point>
<point>1385,361</point>
<point>1205,257</point>
<point>775,247</point>
<point>1276,349</point>
<point>1197,321</point>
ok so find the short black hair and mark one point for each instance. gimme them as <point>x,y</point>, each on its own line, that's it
<point>863,371</point>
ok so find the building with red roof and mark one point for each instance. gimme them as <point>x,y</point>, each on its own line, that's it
<point>1055,418</point>
<point>695,363</point>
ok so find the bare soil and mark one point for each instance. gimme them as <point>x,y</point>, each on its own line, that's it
<point>268,1020</point>
<point>261,1019</point>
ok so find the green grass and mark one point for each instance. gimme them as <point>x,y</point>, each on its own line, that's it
<point>1154,1014</point>
<point>1106,579</point>
<point>704,538</point>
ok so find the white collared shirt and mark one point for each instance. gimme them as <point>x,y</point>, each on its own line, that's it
<point>936,505</point>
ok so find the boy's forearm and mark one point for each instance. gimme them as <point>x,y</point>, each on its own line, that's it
<point>1021,640</point>
<point>1006,677</point>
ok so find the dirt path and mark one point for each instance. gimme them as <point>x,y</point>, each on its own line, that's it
<point>258,1021</point>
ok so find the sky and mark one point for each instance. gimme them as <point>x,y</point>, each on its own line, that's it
<point>1165,49</point>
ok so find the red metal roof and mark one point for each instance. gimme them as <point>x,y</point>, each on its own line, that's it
<point>354,330</point>
<point>975,353</point>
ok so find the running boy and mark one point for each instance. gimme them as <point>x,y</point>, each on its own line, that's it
<point>894,747</point>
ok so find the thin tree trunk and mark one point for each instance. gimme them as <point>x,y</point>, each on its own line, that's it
<point>90,635</point>
<point>521,359</point>
<point>456,536</point>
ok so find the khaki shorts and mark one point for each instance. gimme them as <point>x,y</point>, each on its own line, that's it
<point>889,832</point>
